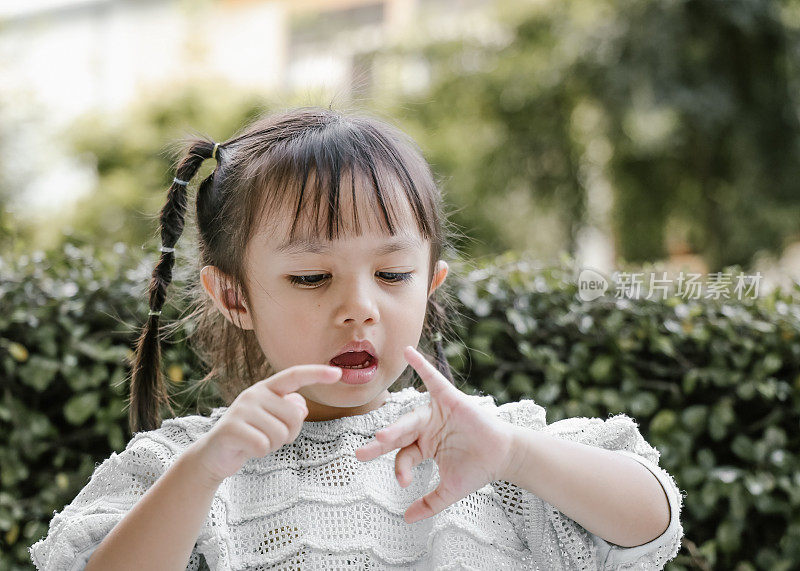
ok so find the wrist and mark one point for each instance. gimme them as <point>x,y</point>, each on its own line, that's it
<point>192,458</point>
<point>510,460</point>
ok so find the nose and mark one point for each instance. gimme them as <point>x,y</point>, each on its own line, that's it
<point>358,301</point>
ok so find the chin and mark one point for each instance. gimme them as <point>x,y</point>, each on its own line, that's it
<point>352,395</point>
<point>345,396</point>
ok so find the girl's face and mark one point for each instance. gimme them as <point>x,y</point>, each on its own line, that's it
<point>309,300</point>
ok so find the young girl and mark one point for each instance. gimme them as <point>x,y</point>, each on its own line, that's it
<point>320,236</point>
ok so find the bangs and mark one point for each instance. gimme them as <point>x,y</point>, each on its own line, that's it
<point>325,210</point>
<point>342,181</point>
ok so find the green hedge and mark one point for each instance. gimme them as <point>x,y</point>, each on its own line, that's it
<point>713,384</point>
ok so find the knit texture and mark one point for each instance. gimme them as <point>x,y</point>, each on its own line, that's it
<point>312,505</point>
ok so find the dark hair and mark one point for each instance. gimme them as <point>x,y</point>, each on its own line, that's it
<point>265,169</point>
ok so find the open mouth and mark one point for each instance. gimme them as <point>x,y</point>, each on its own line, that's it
<point>353,360</point>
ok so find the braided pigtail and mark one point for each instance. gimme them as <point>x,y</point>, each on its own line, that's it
<point>147,390</point>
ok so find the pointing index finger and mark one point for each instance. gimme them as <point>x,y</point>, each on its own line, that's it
<point>430,375</point>
<point>292,378</point>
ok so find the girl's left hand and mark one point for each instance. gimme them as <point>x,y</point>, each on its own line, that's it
<point>470,446</point>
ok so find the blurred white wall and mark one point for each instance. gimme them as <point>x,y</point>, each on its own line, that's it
<point>81,55</point>
<point>62,58</point>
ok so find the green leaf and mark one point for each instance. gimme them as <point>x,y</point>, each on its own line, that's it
<point>746,390</point>
<point>728,536</point>
<point>644,404</point>
<point>743,447</point>
<point>692,475</point>
<point>663,421</point>
<point>601,368</point>
<point>664,345</point>
<point>79,408</point>
<point>39,372</point>
<point>694,417</point>
<point>521,383</point>
<point>101,351</point>
<point>690,381</point>
<point>722,416</point>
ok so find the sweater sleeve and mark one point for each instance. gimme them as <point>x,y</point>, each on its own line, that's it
<point>561,541</point>
<point>113,489</point>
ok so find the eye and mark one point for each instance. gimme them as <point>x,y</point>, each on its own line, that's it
<point>397,277</point>
<point>306,280</point>
<point>312,281</point>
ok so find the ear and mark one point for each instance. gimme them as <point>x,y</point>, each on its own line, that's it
<point>439,273</point>
<point>213,282</point>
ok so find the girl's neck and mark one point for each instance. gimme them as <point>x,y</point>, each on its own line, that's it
<point>320,412</point>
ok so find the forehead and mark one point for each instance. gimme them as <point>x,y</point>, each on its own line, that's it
<point>356,212</point>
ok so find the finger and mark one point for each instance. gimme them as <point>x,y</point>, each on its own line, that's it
<point>375,448</point>
<point>285,408</point>
<point>369,451</point>
<point>295,415</point>
<point>296,427</point>
<point>298,400</point>
<point>257,443</point>
<point>436,383</point>
<point>273,429</point>
<point>401,433</point>
<point>404,463</point>
<point>409,423</point>
<point>292,378</point>
<point>427,506</point>
<point>295,398</point>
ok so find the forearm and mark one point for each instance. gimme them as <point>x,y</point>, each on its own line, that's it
<point>161,529</point>
<point>609,494</point>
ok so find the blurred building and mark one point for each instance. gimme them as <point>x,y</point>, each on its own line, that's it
<point>61,58</point>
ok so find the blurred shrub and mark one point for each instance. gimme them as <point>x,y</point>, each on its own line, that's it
<point>713,384</point>
<point>64,342</point>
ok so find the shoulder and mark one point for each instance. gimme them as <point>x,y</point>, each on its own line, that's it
<point>175,435</point>
<point>524,412</point>
<point>618,432</point>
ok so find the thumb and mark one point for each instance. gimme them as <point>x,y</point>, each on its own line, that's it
<point>428,505</point>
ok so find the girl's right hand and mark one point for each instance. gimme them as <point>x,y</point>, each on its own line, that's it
<point>264,417</point>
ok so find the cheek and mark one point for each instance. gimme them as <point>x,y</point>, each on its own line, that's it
<point>412,298</point>
<point>288,323</point>
<point>405,314</point>
<point>281,328</point>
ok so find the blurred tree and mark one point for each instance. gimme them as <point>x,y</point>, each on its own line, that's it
<point>684,111</point>
<point>6,221</point>
<point>687,108</point>
<point>134,167</point>
<point>15,233</point>
<point>704,119</point>
<point>132,152</point>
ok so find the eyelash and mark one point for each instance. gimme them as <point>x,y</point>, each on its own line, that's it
<point>401,277</point>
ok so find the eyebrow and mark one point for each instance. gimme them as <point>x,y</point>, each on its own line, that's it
<point>306,246</point>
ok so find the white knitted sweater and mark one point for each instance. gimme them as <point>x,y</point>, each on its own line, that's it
<point>312,505</point>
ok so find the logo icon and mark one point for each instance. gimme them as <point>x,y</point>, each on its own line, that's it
<point>591,284</point>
